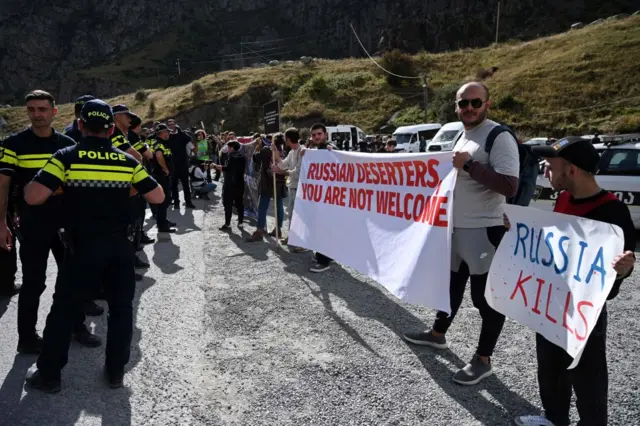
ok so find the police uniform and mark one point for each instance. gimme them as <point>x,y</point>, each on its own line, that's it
<point>97,179</point>
<point>160,146</point>
<point>9,258</point>
<point>21,156</point>
<point>72,130</point>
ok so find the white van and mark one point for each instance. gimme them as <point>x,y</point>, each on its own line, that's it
<point>408,137</point>
<point>345,133</point>
<point>446,137</point>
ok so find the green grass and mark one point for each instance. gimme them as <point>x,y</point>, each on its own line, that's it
<point>573,82</point>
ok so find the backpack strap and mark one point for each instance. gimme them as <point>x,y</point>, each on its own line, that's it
<point>493,134</point>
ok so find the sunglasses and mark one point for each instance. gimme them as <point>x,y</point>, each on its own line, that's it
<point>475,103</point>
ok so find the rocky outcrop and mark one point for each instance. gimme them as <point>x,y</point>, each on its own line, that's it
<point>92,46</point>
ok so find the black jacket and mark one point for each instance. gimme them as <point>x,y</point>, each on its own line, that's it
<point>234,171</point>
<point>262,159</point>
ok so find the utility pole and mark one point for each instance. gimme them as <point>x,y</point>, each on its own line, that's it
<point>426,97</point>
<point>179,72</point>
<point>498,22</point>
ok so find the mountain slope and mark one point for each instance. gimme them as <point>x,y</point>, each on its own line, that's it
<point>575,82</point>
<point>110,48</point>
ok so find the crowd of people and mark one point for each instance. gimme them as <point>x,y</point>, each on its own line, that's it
<point>45,174</point>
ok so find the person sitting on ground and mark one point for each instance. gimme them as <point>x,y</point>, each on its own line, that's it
<point>198,173</point>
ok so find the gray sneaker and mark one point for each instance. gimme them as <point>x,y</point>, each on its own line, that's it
<point>427,338</point>
<point>532,421</point>
<point>473,372</point>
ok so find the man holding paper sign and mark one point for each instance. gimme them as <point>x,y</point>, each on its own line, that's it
<point>570,166</point>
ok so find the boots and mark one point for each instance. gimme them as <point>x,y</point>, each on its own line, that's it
<point>257,236</point>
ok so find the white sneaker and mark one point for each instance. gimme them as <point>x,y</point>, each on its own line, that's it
<point>532,421</point>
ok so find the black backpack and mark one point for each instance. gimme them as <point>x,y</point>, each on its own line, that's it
<point>529,166</point>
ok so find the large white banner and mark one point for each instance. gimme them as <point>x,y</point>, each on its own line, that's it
<point>552,273</point>
<point>385,215</point>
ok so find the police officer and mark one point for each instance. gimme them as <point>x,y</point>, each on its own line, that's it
<point>21,156</point>
<point>138,140</point>
<point>9,258</point>
<point>162,169</point>
<point>97,179</point>
<point>123,118</point>
<point>72,129</point>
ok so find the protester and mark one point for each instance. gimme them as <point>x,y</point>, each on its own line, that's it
<point>319,141</point>
<point>233,185</point>
<point>570,166</point>
<point>483,182</point>
<point>291,167</point>
<point>199,176</point>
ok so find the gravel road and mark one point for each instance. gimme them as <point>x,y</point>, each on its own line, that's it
<point>235,333</point>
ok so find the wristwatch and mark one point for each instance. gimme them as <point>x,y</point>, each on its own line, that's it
<point>467,165</point>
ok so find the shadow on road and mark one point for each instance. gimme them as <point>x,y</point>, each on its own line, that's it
<point>84,390</point>
<point>165,257</point>
<point>369,301</point>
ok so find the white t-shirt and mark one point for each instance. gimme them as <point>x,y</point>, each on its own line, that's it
<point>476,206</point>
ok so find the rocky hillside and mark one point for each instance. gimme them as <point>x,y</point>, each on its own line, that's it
<point>576,82</point>
<point>109,48</point>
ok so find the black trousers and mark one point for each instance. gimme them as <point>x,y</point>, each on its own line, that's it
<point>109,257</point>
<point>8,269</point>
<point>233,197</point>
<point>138,207</point>
<point>589,379</point>
<point>161,209</point>
<point>37,242</point>
<point>182,176</point>
<point>492,320</point>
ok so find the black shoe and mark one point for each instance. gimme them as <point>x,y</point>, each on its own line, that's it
<point>225,227</point>
<point>166,229</point>
<point>190,205</point>
<point>85,338</point>
<point>139,277</point>
<point>115,381</point>
<point>139,263</point>
<point>145,239</point>
<point>91,309</point>
<point>172,223</point>
<point>34,380</point>
<point>31,346</point>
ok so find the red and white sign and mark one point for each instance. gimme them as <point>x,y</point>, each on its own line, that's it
<point>387,216</point>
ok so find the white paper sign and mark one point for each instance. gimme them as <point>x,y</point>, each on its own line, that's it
<point>385,215</point>
<point>552,273</point>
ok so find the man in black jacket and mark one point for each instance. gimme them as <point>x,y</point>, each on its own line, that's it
<point>178,141</point>
<point>571,164</point>
<point>233,186</point>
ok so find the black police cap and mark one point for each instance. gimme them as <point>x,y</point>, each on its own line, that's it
<point>97,114</point>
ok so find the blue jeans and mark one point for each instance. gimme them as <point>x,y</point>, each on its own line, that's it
<point>263,207</point>
<point>205,189</point>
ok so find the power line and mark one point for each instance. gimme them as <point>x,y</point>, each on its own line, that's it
<point>280,39</point>
<point>377,64</point>
<point>589,107</point>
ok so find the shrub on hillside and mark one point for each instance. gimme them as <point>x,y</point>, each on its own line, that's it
<point>442,103</point>
<point>141,95</point>
<point>197,92</point>
<point>152,110</point>
<point>398,63</point>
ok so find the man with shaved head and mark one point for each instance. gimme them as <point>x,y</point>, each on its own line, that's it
<point>484,181</point>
